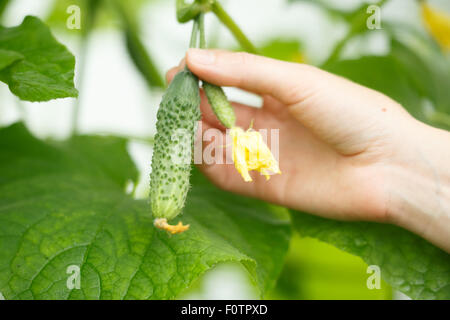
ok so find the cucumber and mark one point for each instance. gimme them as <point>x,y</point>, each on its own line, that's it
<point>176,126</point>
<point>220,104</point>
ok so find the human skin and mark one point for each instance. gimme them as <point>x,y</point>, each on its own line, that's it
<point>346,152</point>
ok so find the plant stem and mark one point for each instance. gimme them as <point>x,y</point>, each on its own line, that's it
<point>225,18</point>
<point>355,29</point>
<point>201,25</point>
<point>147,140</point>
<point>338,49</point>
<point>137,51</point>
<point>3,5</point>
<point>194,35</point>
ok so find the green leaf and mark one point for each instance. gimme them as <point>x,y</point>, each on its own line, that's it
<point>47,68</point>
<point>283,49</point>
<point>429,71</point>
<point>406,77</point>
<point>7,57</point>
<point>407,262</point>
<point>315,270</point>
<point>64,204</point>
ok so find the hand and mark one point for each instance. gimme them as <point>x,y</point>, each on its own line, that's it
<point>346,152</point>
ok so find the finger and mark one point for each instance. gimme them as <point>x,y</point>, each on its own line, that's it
<point>173,71</point>
<point>182,63</point>
<point>257,74</point>
<point>171,74</point>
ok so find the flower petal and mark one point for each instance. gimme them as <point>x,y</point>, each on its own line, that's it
<point>250,152</point>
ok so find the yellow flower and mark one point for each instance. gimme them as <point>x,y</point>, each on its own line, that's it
<point>438,24</point>
<point>251,153</point>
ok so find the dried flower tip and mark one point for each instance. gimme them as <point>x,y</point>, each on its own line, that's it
<point>161,223</point>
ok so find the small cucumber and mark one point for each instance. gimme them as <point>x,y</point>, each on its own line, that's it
<point>220,104</point>
<point>178,113</point>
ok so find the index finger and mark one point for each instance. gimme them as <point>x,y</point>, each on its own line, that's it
<point>282,80</point>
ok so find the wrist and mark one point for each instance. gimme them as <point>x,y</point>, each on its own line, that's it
<point>419,185</point>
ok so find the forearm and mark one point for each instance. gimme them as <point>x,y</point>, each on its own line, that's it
<point>419,192</point>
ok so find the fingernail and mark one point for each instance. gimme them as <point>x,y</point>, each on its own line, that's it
<point>200,56</point>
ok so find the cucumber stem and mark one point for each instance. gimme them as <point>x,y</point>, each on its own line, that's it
<point>194,35</point>
<point>201,25</point>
